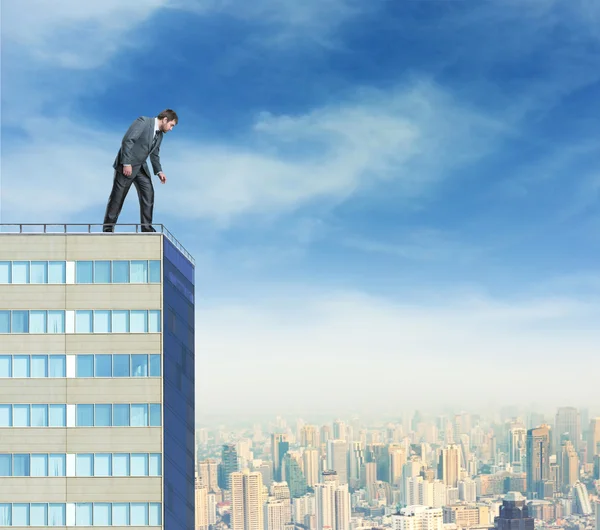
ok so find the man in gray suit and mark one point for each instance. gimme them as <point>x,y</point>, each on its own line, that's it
<point>142,140</point>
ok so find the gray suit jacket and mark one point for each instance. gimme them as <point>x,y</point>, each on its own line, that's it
<point>135,147</point>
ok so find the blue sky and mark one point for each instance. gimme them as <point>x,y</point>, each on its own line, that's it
<point>388,201</point>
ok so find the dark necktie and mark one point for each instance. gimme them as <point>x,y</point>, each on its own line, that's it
<point>154,140</point>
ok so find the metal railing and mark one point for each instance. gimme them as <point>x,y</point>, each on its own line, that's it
<point>82,228</point>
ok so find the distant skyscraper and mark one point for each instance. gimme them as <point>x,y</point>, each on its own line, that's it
<point>339,430</point>
<point>279,446</point>
<point>311,459</point>
<point>277,514</point>
<point>246,501</point>
<point>517,444</point>
<point>418,518</point>
<point>337,459</point>
<point>449,466</point>
<point>201,507</point>
<point>332,504</point>
<point>356,458</point>
<point>514,514</point>
<point>293,475</point>
<point>538,460</point>
<point>568,422</point>
<point>582,499</point>
<point>593,439</point>
<point>208,474</point>
<point>569,466</point>
<point>309,436</point>
<point>229,464</point>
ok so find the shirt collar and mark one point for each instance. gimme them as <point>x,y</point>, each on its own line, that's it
<point>155,125</point>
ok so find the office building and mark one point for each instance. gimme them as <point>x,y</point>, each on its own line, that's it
<point>96,378</point>
<point>514,513</point>
<point>418,518</point>
<point>538,461</point>
<point>246,500</point>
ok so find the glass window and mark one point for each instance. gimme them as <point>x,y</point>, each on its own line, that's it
<point>39,465</point>
<point>21,366</point>
<point>120,321</point>
<point>103,415</point>
<point>5,415</point>
<point>20,272</point>
<point>155,271</point>
<point>56,321</point>
<point>139,322</point>
<point>5,465</point>
<point>120,462</point>
<point>102,272</point>
<point>5,514</point>
<point>120,270</point>
<point>139,272</point>
<point>139,514</point>
<point>57,272</point>
<point>85,415</point>
<point>4,271</point>
<point>139,365</point>
<point>39,366</point>
<point>139,465</point>
<point>57,366</point>
<point>83,514</point>
<point>39,272</point>
<point>20,465</point>
<point>37,321</point>
<point>39,415</point>
<point>56,515</point>
<point>121,415</point>
<point>4,321</point>
<point>83,321</point>
<point>85,366</point>
<point>20,322</point>
<point>154,321</point>
<point>103,366</point>
<point>155,418</point>
<point>121,365</point>
<point>5,366</point>
<point>155,518</point>
<point>102,514</point>
<point>155,362</point>
<point>102,321</point>
<point>39,514</point>
<point>20,415</point>
<point>57,415</point>
<point>84,466</point>
<point>20,514</point>
<point>120,514</point>
<point>57,465</point>
<point>84,272</point>
<point>102,466</point>
<point>155,467</point>
<point>139,415</point>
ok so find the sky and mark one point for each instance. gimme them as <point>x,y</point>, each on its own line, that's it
<point>392,204</point>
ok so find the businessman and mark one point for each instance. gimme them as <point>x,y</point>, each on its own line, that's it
<point>142,140</point>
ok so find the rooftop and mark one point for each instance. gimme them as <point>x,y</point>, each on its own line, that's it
<point>92,229</point>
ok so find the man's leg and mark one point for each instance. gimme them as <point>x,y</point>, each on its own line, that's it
<point>143,184</point>
<point>121,185</point>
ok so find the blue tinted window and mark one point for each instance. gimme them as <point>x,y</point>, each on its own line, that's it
<point>20,322</point>
<point>20,514</point>
<point>102,467</point>
<point>102,272</point>
<point>57,465</point>
<point>5,415</point>
<point>21,366</point>
<point>84,466</point>
<point>85,366</point>
<point>139,365</point>
<point>102,514</point>
<point>39,272</point>
<point>5,465</point>
<point>121,415</point>
<point>139,272</point>
<point>83,321</point>
<point>39,514</point>
<point>103,365</point>
<point>139,514</point>
<point>155,271</point>
<point>37,321</point>
<point>155,467</point>
<point>120,365</point>
<point>84,272</point>
<point>20,465</point>
<point>155,362</point>
<point>39,465</point>
<point>139,465</point>
<point>138,322</point>
<point>85,415</point>
<point>155,415</point>
<point>57,272</point>
<point>4,321</point>
<point>5,276</point>
<point>57,415</point>
<point>155,518</point>
<point>57,515</point>
<point>57,366</point>
<point>120,321</point>
<point>120,272</point>
<point>139,415</point>
<point>102,321</point>
<point>83,514</point>
<point>39,415</point>
<point>154,321</point>
<point>120,514</point>
<point>39,366</point>
<point>5,366</point>
<point>120,462</point>
<point>56,321</point>
<point>5,514</point>
<point>103,415</point>
<point>20,272</point>
<point>20,415</point>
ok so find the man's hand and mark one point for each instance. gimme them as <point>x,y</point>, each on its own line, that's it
<point>162,177</point>
<point>127,171</point>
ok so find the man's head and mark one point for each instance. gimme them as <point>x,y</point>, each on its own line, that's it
<point>167,120</point>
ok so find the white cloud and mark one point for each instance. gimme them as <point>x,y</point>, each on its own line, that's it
<point>362,352</point>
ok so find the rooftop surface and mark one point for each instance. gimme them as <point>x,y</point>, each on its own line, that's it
<point>92,229</point>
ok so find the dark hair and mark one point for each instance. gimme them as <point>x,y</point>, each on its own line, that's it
<point>171,115</point>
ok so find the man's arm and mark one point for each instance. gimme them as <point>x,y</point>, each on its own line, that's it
<point>132,134</point>
<point>155,160</point>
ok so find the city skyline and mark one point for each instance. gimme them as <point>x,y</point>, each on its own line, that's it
<point>389,228</point>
